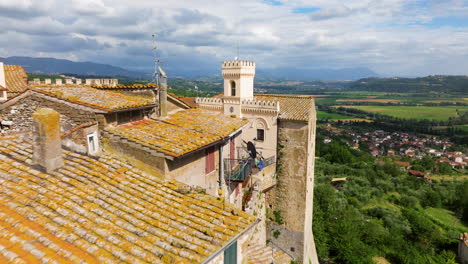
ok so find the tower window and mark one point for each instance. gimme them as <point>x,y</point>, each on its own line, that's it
<point>260,134</point>
<point>233,88</point>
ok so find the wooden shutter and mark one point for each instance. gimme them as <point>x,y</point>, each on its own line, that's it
<point>210,160</point>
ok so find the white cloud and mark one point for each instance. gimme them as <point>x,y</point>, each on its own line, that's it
<point>395,37</point>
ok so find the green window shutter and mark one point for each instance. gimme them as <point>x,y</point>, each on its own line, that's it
<point>230,254</point>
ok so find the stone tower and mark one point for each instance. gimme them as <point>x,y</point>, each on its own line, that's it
<point>238,85</point>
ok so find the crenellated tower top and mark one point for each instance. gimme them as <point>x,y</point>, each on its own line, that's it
<point>238,78</point>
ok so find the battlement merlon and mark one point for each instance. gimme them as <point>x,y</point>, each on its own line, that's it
<point>237,64</point>
<point>72,81</point>
<point>209,101</point>
<point>261,105</point>
<point>246,104</point>
<point>236,68</point>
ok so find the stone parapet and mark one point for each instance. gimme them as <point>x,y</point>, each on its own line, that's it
<point>48,81</point>
<point>209,103</point>
<point>238,68</point>
<point>261,105</point>
<point>103,82</point>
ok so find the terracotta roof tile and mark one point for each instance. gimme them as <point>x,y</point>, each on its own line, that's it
<point>292,107</point>
<point>104,100</point>
<point>15,78</point>
<point>190,101</point>
<point>181,132</point>
<point>125,87</point>
<point>104,211</point>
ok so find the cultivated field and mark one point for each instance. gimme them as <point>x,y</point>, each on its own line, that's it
<point>325,115</point>
<point>416,112</point>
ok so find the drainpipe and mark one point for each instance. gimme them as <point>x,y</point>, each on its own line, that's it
<point>221,166</point>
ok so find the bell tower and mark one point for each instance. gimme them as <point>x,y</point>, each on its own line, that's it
<point>238,85</point>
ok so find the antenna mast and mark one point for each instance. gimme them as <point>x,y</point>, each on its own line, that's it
<point>156,61</point>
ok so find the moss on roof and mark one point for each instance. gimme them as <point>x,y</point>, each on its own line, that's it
<point>180,133</point>
<point>95,98</point>
<point>15,79</point>
<point>292,107</point>
<point>104,211</point>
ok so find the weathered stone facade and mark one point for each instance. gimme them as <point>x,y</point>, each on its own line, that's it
<point>20,114</point>
<point>292,198</point>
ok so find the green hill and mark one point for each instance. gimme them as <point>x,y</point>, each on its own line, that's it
<point>431,84</point>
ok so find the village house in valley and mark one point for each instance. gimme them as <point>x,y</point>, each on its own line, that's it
<point>100,172</point>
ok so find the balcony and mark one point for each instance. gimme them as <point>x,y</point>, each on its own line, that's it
<point>239,170</point>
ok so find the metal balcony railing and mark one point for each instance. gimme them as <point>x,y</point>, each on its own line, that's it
<point>237,170</point>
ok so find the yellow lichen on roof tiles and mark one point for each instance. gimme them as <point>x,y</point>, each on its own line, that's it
<point>181,132</point>
<point>104,100</point>
<point>292,107</point>
<point>82,212</point>
<point>125,87</point>
<point>15,78</point>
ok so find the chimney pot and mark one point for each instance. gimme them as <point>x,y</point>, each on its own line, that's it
<point>47,144</point>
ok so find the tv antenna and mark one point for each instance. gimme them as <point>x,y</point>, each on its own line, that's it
<point>237,57</point>
<point>156,62</point>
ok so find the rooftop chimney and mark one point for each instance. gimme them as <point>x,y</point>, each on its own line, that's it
<point>47,145</point>
<point>162,93</point>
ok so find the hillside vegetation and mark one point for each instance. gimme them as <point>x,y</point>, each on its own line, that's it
<point>430,84</point>
<point>381,211</point>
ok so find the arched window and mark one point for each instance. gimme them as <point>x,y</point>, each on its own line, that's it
<point>233,88</point>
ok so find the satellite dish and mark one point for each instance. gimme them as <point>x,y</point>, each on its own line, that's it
<point>252,150</point>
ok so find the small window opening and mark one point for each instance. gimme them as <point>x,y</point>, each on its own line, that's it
<point>233,88</point>
<point>260,134</point>
<point>92,143</point>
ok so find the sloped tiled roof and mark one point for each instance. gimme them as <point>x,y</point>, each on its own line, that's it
<point>292,107</point>
<point>94,98</point>
<point>104,211</point>
<point>181,132</point>
<point>190,101</point>
<point>15,78</point>
<point>3,88</point>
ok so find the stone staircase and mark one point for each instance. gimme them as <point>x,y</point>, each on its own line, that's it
<point>259,254</point>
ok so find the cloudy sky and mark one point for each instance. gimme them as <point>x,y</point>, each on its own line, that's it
<point>391,37</point>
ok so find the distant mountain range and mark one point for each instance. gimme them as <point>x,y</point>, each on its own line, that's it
<point>316,74</point>
<point>57,66</point>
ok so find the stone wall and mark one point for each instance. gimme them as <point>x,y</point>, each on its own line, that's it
<point>76,140</point>
<point>21,115</point>
<point>134,154</point>
<point>292,198</point>
<point>191,171</point>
